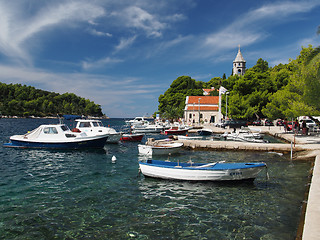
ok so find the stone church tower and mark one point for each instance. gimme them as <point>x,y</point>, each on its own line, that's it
<point>239,64</point>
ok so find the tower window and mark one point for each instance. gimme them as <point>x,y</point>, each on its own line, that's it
<point>239,70</point>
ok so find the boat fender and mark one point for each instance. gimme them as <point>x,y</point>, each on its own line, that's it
<point>113,159</point>
<point>75,130</point>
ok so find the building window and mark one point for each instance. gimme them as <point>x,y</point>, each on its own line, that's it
<point>190,115</point>
<point>201,113</point>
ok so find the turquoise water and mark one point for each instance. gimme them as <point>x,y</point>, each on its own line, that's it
<point>83,195</point>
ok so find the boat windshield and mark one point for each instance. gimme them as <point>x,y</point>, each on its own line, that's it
<point>97,124</point>
<point>50,130</point>
<point>64,128</point>
<point>84,124</point>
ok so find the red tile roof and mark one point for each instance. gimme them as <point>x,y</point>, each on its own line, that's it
<point>202,108</point>
<point>204,100</point>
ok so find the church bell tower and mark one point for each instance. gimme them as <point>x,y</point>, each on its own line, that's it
<point>239,64</point>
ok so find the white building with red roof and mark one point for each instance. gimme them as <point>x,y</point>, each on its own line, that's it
<point>201,109</point>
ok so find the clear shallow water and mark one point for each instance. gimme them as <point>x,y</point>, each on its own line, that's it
<point>83,195</point>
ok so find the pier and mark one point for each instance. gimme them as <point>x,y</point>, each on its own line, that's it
<point>300,147</point>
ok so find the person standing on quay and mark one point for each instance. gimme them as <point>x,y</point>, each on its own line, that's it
<point>285,125</point>
<point>304,127</point>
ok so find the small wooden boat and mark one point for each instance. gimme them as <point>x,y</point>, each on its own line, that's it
<point>56,136</point>
<point>217,171</point>
<point>132,137</point>
<point>160,148</point>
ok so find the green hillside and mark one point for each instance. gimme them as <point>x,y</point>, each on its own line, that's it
<point>22,100</point>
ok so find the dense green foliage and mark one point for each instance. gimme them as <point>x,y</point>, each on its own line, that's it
<point>18,100</point>
<point>171,104</point>
<point>283,91</point>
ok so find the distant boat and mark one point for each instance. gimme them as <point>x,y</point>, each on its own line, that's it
<point>205,132</point>
<point>56,136</point>
<point>216,171</point>
<point>160,148</point>
<point>183,137</point>
<point>132,137</point>
<point>95,127</point>
<point>176,130</point>
<point>147,128</point>
<point>137,121</point>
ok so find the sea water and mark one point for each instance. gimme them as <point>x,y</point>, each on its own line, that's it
<point>47,194</point>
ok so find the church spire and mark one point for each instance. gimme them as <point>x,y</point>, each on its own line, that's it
<point>239,64</point>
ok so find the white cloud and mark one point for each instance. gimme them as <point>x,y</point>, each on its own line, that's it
<point>16,28</point>
<point>89,65</point>
<point>99,34</point>
<point>124,43</point>
<point>251,27</point>
<point>138,18</point>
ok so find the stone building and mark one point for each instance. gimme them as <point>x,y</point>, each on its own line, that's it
<point>239,64</point>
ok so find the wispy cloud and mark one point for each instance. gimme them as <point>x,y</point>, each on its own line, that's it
<point>99,34</point>
<point>124,43</point>
<point>252,27</point>
<point>16,28</point>
<point>140,19</point>
<point>96,64</point>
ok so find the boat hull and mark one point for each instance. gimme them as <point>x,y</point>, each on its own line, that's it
<point>205,132</point>
<point>218,172</point>
<point>90,143</point>
<point>132,137</point>
<point>114,138</point>
<point>175,132</point>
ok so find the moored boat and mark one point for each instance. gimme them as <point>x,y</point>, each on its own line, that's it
<point>95,127</point>
<point>176,130</point>
<point>132,137</point>
<point>205,132</point>
<point>186,137</point>
<point>217,171</point>
<point>56,136</point>
<point>160,148</point>
<point>147,128</point>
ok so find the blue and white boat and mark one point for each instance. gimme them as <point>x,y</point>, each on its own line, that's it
<point>217,171</point>
<point>56,136</point>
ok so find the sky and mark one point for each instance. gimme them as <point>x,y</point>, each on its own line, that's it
<point>122,54</point>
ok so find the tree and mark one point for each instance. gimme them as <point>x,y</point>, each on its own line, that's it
<point>172,102</point>
<point>300,96</point>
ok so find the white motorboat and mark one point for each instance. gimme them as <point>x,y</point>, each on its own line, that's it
<point>95,127</point>
<point>147,128</point>
<point>137,121</point>
<point>160,148</point>
<point>56,136</point>
<point>187,137</point>
<point>217,171</point>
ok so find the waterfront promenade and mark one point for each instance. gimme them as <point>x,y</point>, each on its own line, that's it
<point>302,147</point>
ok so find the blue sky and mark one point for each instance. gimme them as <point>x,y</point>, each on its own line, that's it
<point>123,54</point>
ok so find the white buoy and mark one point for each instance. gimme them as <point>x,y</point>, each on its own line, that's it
<point>113,159</point>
